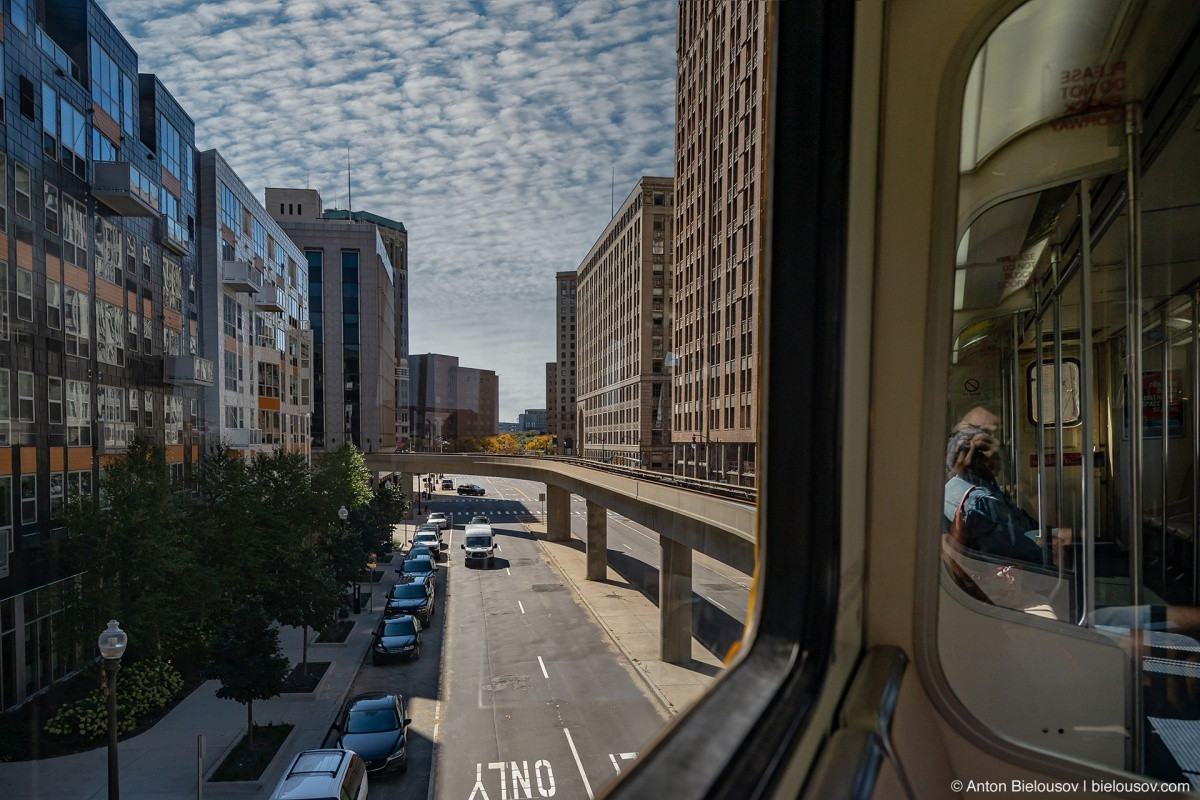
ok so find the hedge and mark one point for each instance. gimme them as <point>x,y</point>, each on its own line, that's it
<point>143,689</point>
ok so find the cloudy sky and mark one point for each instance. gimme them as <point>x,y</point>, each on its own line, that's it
<point>490,128</point>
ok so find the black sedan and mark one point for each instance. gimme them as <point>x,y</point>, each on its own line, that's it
<point>418,567</point>
<point>470,488</point>
<point>413,597</point>
<point>397,637</point>
<point>374,726</point>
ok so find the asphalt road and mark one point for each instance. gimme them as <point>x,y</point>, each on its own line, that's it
<point>535,699</point>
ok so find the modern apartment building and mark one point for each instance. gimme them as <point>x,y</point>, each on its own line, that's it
<point>719,111</point>
<point>99,334</point>
<point>563,401</point>
<point>254,329</point>
<point>450,402</point>
<point>623,286</point>
<point>352,312</point>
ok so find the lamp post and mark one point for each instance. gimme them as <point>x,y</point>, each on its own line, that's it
<point>356,592</point>
<point>112,644</point>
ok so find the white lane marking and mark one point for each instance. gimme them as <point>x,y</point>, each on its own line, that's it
<point>435,731</point>
<point>613,759</point>
<point>542,664</point>
<point>521,606</point>
<point>718,605</point>
<point>479,784</point>
<point>509,571</point>
<point>627,547</point>
<point>579,765</point>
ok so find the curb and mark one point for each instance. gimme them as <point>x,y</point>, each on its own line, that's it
<point>670,709</point>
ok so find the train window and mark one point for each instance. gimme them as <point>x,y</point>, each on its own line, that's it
<point>1070,511</point>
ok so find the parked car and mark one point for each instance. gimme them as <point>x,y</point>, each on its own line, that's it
<point>418,566</point>
<point>413,596</point>
<point>437,518</point>
<point>420,551</point>
<point>429,539</point>
<point>479,519</point>
<point>396,637</point>
<point>470,488</point>
<point>447,483</point>
<point>374,726</point>
<point>323,775</point>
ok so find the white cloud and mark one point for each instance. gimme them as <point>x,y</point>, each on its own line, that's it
<point>489,129</point>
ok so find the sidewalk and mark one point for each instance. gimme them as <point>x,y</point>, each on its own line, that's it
<point>161,764</point>
<point>631,621</point>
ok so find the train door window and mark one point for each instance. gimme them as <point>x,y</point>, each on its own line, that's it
<point>1069,561</point>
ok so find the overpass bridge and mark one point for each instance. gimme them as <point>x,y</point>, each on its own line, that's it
<point>685,520</point>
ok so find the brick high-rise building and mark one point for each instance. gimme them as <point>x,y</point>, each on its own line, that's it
<point>450,402</point>
<point>720,117</point>
<point>623,286</point>
<point>563,402</point>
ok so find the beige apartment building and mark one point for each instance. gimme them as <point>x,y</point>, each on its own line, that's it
<point>562,401</point>
<point>720,112</point>
<point>623,285</point>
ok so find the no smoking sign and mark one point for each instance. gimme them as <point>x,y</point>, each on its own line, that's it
<point>971,385</point>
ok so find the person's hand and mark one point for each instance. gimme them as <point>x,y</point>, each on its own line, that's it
<point>982,445</point>
<point>1060,541</point>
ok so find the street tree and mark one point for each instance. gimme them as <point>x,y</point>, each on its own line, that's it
<point>135,551</point>
<point>244,655</point>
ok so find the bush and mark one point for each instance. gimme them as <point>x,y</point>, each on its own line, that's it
<point>143,688</point>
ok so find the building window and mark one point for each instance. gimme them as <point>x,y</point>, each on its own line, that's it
<point>24,294</point>
<point>148,408</point>
<point>168,147</point>
<point>79,415</point>
<point>56,492</point>
<point>5,407</point>
<point>231,211</point>
<point>54,397</point>
<point>231,370</point>
<point>73,139</point>
<point>50,207</point>
<point>129,106</point>
<point>28,499</point>
<point>229,314</point>
<point>49,121</point>
<point>74,214</point>
<point>268,379</point>
<point>75,322</point>
<point>23,189</point>
<point>110,334</point>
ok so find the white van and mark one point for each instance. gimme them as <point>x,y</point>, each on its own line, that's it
<point>324,775</point>
<point>480,544</point>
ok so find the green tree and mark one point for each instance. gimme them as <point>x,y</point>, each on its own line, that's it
<point>245,657</point>
<point>136,554</point>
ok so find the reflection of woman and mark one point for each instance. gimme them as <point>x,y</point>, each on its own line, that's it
<point>977,513</point>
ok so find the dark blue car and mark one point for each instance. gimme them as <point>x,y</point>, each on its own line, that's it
<point>396,637</point>
<point>374,726</point>
<point>418,567</point>
<point>414,597</point>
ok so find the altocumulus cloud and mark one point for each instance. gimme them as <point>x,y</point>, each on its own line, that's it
<point>490,128</point>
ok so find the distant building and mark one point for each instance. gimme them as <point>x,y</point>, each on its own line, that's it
<point>563,401</point>
<point>450,402</point>
<point>534,419</point>
<point>352,296</point>
<point>623,285</point>
<point>510,427</point>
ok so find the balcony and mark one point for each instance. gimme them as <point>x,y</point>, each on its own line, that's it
<point>188,371</point>
<point>269,298</point>
<point>241,276</point>
<point>241,437</point>
<point>124,189</point>
<point>174,236</point>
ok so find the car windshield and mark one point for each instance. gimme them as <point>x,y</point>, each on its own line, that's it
<point>479,541</point>
<point>372,720</point>
<point>418,565</point>
<point>479,519</point>
<point>408,590</point>
<point>425,538</point>
<point>399,627</point>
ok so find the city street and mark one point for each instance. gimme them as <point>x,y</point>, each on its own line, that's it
<point>536,701</point>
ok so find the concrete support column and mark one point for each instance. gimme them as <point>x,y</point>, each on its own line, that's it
<point>407,482</point>
<point>675,601</point>
<point>558,514</point>
<point>597,541</point>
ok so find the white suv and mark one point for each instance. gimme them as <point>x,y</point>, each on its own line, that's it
<point>438,518</point>
<point>323,775</point>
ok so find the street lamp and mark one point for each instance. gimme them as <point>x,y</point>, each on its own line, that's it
<point>343,514</point>
<point>112,644</point>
